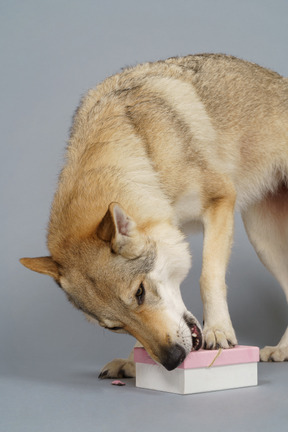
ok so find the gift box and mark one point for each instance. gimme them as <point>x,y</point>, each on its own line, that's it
<point>201,371</point>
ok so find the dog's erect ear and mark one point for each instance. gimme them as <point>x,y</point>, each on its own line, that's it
<point>115,222</point>
<point>44,265</point>
<point>121,232</point>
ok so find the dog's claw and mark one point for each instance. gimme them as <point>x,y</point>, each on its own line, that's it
<point>103,374</point>
<point>209,347</point>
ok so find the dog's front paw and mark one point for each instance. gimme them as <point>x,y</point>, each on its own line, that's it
<point>219,337</point>
<point>274,354</point>
<point>118,368</point>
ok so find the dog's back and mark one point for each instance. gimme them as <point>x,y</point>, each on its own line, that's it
<point>201,115</point>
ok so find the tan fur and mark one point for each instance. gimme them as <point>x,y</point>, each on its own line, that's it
<point>186,139</point>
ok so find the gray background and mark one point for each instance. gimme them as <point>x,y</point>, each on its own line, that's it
<point>51,52</point>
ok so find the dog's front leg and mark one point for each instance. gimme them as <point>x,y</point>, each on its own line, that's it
<point>218,223</point>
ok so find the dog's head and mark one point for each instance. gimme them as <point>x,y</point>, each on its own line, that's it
<point>129,282</point>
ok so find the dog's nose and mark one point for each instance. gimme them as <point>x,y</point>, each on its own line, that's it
<point>175,357</point>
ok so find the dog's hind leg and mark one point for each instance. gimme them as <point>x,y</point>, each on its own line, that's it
<point>266,224</point>
<point>120,368</point>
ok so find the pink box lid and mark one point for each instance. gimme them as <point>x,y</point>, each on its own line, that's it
<point>207,358</point>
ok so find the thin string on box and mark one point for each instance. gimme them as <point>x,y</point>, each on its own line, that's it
<point>215,358</point>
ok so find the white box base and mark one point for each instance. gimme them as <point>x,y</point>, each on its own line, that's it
<point>188,381</point>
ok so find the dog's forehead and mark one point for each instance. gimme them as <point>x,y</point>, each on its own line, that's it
<point>102,269</point>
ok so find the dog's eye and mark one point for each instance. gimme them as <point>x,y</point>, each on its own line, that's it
<point>140,294</point>
<point>114,328</point>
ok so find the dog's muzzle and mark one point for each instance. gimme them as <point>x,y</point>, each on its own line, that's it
<point>177,354</point>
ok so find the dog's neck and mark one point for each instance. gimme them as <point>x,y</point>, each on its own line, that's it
<point>84,194</point>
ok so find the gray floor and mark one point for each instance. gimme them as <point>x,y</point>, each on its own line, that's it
<point>71,398</point>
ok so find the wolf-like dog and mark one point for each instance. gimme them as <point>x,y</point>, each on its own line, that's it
<point>153,149</point>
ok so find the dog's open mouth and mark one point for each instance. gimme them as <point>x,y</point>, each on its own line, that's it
<point>196,333</point>
<point>196,337</point>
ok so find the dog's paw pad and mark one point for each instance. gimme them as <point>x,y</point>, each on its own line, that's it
<point>274,354</point>
<point>118,368</point>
